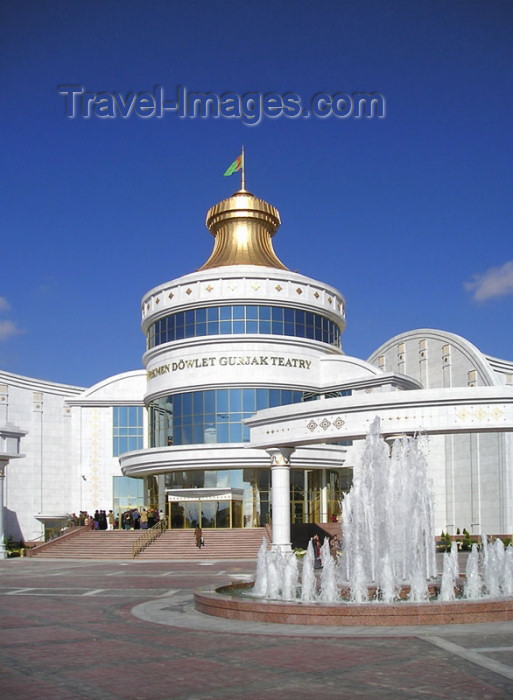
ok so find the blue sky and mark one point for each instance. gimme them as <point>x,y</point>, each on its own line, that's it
<point>409,216</point>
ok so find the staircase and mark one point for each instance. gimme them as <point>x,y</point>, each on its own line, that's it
<point>219,544</point>
<point>88,544</point>
<point>171,545</point>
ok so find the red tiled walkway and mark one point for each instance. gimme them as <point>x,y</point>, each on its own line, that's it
<point>69,631</point>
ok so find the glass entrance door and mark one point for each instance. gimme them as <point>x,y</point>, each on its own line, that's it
<point>207,514</point>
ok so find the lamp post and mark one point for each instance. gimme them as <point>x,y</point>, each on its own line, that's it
<point>10,437</point>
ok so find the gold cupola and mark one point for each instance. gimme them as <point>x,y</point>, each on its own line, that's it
<point>243,226</point>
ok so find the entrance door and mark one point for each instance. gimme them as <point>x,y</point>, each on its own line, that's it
<point>211,514</point>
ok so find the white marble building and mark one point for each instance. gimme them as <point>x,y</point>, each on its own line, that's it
<point>472,472</point>
<point>240,335</point>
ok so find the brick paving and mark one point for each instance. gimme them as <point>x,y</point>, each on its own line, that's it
<point>128,630</point>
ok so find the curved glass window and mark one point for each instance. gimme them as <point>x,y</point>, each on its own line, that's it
<point>211,416</point>
<point>245,319</point>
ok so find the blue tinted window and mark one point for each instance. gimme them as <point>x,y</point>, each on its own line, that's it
<point>210,401</point>
<point>286,397</point>
<point>222,432</point>
<point>205,416</point>
<point>274,397</point>
<point>197,402</point>
<point>250,319</point>
<point>222,401</point>
<point>248,401</point>
<point>127,429</point>
<point>235,432</point>
<point>235,400</point>
<point>262,399</point>
<point>187,404</point>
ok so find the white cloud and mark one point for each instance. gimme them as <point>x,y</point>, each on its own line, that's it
<point>7,330</point>
<point>495,282</point>
<point>4,304</point>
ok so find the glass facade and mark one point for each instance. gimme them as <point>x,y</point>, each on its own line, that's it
<point>211,416</point>
<point>243,319</point>
<point>253,509</point>
<point>206,514</point>
<point>249,508</point>
<point>127,429</point>
<point>127,493</point>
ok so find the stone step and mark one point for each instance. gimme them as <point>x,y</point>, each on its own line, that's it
<point>172,544</point>
<point>219,544</point>
<point>89,544</point>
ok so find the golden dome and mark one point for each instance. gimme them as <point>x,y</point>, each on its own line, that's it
<point>243,226</point>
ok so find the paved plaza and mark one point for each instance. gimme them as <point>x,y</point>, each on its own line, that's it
<point>128,630</point>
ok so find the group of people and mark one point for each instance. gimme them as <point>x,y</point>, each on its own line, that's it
<point>334,546</point>
<point>79,520</point>
<point>135,519</point>
<point>101,520</point>
<point>131,519</point>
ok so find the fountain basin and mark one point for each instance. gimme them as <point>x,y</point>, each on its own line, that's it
<point>235,607</point>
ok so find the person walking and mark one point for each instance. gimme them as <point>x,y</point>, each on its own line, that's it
<point>198,535</point>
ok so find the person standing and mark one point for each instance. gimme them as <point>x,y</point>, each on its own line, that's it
<point>317,551</point>
<point>198,535</point>
<point>102,520</point>
<point>127,520</point>
<point>111,520</point>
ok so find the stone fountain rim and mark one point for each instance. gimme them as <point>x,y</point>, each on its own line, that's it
<point>375,614</point>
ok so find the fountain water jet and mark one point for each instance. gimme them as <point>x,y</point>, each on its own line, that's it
<point>388,536</point>
<point>388,552</point>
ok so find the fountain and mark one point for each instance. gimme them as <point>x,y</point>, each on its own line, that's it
<point>386,573</point>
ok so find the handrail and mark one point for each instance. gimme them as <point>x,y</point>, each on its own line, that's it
<point>148,537</point>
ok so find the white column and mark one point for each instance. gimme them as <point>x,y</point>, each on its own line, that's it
<point>10,437</point>
<point>280,498</point>
<point>324,498</point>
<point>3,551</point>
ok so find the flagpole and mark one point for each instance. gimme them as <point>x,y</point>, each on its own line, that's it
<point>243,174</point>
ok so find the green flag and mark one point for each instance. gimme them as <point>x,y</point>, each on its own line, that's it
<point>236,165</point>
